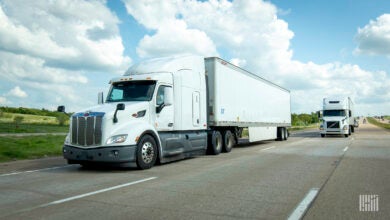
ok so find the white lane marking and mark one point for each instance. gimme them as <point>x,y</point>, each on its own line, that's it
<point>32,171</point>
<point>304,204</point>
<point>96,192</point>
<point>345,149</point>
<point>268,148</point>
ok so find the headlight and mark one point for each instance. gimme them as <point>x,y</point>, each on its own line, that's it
<point>321,127</point>
<point>345,127</point>
<point>117,139</point>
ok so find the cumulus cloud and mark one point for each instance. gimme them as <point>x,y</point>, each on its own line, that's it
<point>48,49</point>
<point>70,34</point>
<point>17,92</point>
<point>374,38</point>
<point>250,34</point>
<point>172,35</point>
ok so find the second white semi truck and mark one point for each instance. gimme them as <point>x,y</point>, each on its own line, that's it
<point>337,117</point>
<point>167,109</point>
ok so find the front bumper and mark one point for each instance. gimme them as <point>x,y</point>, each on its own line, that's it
<point>334,131</point>
<point>112,154</point>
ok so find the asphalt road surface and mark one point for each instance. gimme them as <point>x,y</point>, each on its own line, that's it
<point>306,176</point>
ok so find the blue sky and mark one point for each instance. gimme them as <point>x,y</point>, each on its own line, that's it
<point>314,48</point>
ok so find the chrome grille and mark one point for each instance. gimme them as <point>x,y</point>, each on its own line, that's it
<point>86,130</point>
<point>333,124</point>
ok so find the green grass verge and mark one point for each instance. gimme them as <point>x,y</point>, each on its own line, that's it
<point>28,119</point>
<point>296,128</point>
<point>377,123</point>
<point>30,147</point>
<point>32,128</point>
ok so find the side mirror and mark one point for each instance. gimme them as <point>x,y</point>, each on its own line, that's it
<point>119,107</point>
<point>168,93</point>
<point>61,108</point>
<point>100,98</point>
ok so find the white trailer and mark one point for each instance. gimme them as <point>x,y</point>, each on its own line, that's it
<point>338,117</point>
<point>170,108</point>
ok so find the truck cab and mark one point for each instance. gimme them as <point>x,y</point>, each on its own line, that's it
<point>337,117</point>
<point>155,112</point>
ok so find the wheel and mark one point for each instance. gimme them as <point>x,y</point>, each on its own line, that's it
<point>146,152</point>
<point>228,141</point>
<point>216,143</point>
<point>346,135</point>
<point>279,134</point>
<point>322,135</point>
<point>352,129</point>
<point>285,134</point>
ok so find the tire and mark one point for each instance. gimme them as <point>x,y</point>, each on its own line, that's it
<point>279,134</point>
<point>216,143</point>
<point>146,152</point>
<point>322,135</point>
<point>353,129</point>
<point>228,141</point>
<point>285,134</point>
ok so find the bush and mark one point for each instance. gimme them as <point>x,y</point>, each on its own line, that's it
<point>18,120</point>
<point>62,118</point>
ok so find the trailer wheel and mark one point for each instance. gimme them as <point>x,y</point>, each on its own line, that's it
<point>285,134</point>
<point>146,152</point>
<point>228,141</point>
<point>280,134</point>
<point>216,143</point>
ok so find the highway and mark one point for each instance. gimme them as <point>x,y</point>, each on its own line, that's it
<point>305,177</point>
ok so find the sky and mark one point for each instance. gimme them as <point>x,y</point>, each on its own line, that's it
<point>65,52</point>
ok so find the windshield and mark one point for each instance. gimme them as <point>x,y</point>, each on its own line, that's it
<point>131,91</point>
<point>334,113</point>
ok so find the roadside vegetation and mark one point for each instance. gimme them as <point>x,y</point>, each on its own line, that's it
<point>25,120</point>
<point>304,121</point>
<point>14,121</point>
<point>30,147</point>
<point>377,123</point>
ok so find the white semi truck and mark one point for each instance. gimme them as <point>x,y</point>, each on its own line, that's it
<point>167,109</point>
<point>337,117</point>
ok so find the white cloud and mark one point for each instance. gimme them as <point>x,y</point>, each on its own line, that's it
<point>67,34</point>
<point>17,92</point>
<point>176,38</point>
<point>172,35</point>
<point>250,34</point>
<point>3,100</point>
<point>374,38</point>
<point>56,50</point>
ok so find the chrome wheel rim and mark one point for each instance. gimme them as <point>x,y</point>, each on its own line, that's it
<point>147,152</point>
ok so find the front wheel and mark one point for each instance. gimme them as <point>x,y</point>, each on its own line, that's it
<point>146,152</point>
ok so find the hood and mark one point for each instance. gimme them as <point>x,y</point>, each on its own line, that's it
<point>108,109</point>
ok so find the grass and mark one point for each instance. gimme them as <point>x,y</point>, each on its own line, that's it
<point>296,128</point>
<point>32,128</point>
<point>30,147</point>
<point>28,119</point>
<point>377,123</point>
